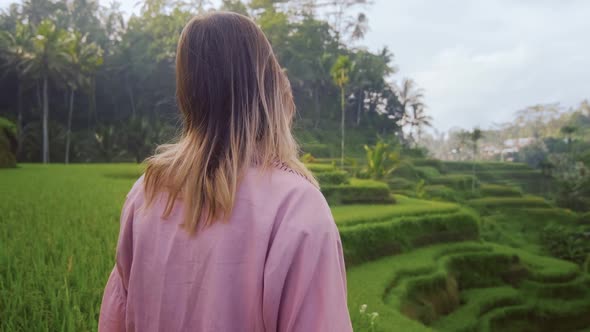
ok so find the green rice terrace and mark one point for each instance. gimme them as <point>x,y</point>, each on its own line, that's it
<point>434,248</point>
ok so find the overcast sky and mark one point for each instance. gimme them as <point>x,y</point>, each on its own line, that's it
<point>480,60</point>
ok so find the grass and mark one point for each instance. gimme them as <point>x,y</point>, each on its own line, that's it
<point>399,183</point>
<point>511,230</point>
<point>358,191</point>
<point>442,192</point>
<point>435,163</point>
<point>319,168</point>
<point>348,215</point>
<point>478,302</point>
<point>417,283</point>
<point>509,202</point>
<point>58,235</point>
<point>60,225</point>
<point>499,190</point>
<point>332,178</point>
<point>467,166</point>
<point>522,227</point>
<point>368,241</point>
<point>427,172</point>
<point>512,174</point>
<point>462,182</point>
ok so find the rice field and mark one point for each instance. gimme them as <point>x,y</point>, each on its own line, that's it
<point>58,240</point>
<point>60,226</point>
<point>58,236</point>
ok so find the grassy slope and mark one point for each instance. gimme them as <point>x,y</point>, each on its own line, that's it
<point>530,180</point>
<point>60,222</point>
<point>348,215</point>
<point>58,235</point>
<point>518,226</point>
<point>381,284</point>
<point>45,207</point>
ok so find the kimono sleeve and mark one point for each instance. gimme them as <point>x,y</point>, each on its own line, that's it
<point>305,276</point>
<point>114,300</point>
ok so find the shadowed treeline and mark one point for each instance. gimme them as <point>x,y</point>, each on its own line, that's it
<point>83,83</point>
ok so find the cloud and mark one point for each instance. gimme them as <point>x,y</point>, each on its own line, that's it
<point>479,61</point>
<point>461,83</point>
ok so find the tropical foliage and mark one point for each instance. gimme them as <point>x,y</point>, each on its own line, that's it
<point>72,69</point>
<point>382,161</point>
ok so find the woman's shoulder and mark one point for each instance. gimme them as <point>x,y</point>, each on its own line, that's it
<point>298,202</point>
<point>136,191</point>
<point>283,180</point>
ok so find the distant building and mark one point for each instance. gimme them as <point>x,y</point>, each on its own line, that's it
<point>507,148</point>
<point>518,143</point>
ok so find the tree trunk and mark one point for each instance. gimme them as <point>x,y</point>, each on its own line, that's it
<point>474,158</point>
<point>93,98</point>
<point>69,131</point>
<point>473,179</point>
<point>342,105</point>
<point>19,121</point>
<point>359,107</point>
<point>130,94</point>
<point>39,99</point>
<point>45,121</point>
<point>316,103</point>
<point>418,136</point>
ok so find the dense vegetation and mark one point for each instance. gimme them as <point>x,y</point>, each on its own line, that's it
<point>8,143</point>
<point>82,83</point>
<point>550,138</point>
<point>422,263</point>
<point>466,242</point>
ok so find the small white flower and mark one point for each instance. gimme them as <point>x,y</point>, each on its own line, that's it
<point>363,308</point>
<point>373,316</point>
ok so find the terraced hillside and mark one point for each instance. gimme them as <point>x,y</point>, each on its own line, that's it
<point>393,229</point>
<point>481,269</point>
<point>510,174</point>
<point>437,278</point>
<point>472,286</point>
<point>424,264</point>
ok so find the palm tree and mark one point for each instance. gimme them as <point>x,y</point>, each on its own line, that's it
<point>568,131</point>
<point>137,137</point>
<point>321,66</point>
<point>418,119</point>
<point>105,142</point>
<point>49,59</point>
<point>411,104</point>
<point>340,75</point>
<point>84,59</point>
<point>381,161</point>
<point>15,48</point>
<point>475,136</point>
<point>36,10</point>
<point>342,23</point>
<point>463,137</point>
<point>358,27</point>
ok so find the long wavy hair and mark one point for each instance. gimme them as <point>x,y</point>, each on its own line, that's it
<point>237,109</point>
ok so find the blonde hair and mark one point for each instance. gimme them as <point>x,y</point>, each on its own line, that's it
<point>237,109</point>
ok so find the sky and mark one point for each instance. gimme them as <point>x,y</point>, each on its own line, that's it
<point>479,61</point>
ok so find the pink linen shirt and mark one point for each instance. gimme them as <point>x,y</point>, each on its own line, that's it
<point>276,265</point>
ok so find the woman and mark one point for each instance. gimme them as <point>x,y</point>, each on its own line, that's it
<point>227,230</point>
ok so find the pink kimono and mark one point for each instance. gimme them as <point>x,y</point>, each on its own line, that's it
<point>277,265</point>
